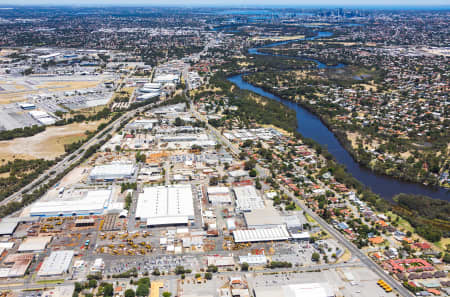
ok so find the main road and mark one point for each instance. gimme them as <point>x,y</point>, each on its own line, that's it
<point>330,229</point>
<point>72,158</point>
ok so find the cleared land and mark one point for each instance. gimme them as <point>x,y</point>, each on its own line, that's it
<point>47,145</point>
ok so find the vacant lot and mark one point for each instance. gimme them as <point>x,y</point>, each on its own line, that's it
<point>47,145</point>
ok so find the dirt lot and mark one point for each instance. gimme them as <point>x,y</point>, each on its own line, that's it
<point>48,144</point>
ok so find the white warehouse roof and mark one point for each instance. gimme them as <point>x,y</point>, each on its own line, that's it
<point>57,263</point>
<point>166,204</point>
<point>32,244</point>
<point>93,202</point>
<point>247,198</point>
<point>113,171</point>
<point>264,234</point>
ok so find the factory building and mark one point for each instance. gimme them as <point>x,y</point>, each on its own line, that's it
<point>88,203</point>
<point>56,264</point>
<point>261,235</point>
<point>166,205</point>
<point>218,195</point>
<point>296,290</point>
<point>113,172</point>
<point>247,199</point>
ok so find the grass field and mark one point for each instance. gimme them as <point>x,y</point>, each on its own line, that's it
<point>47,145</point>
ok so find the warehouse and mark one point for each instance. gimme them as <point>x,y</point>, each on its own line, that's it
<point>260,235</point>
<point>19,264</point>
<point>113,172</point>
<point>247,199</point>
<point>217,195</point>
<point>296,290</point>
<point>35,244</point>
<point>8,226</point>
<point>88,203</point>
<point>56,264</point>
<point>263,218</point>
<point>166,205</point>
<point>253,259</point>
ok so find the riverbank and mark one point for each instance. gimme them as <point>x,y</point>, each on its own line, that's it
<point>311,126</point>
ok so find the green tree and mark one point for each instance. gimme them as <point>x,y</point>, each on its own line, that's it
<point>244,266</point>
<point>130,293</point>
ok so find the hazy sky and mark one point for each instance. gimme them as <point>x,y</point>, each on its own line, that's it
<point>241,3</point>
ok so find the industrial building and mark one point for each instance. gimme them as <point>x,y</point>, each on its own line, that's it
<point>263,218</point>
<point>35,244</point>
<point>253,259</point>
<point>18,263</point>
<point>217,195</point>
<point>260,235</point>
<point>296,290</point>
<point>88,203</point>
<point>8,226</point>
<point>166,205</point>
<point>113,172</point>
<point>56,264</point>
<point>247,198</point>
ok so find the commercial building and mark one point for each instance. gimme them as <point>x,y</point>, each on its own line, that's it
<point>112,172</point>
<point>35,244</point>
<point>166,205</point>
<point>18,263</point>
<point>296,290</point>
<point>88,203</point>
<point>253,259</point>
<point>247,198</point>
<point>263,218</point>
<point>56,264</point>
<point>8,226</point>
<point>217,195</point>
<point>263,234</point>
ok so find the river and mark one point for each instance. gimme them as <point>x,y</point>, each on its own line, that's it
<point>309,125</point>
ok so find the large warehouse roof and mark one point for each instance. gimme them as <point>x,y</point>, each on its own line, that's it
<point>247,198</point>
<point>113,171</point>
<point>57,263</point>
<point>167,202</point>
<point>8,226</point>
<point>93,202</point>
<point>264,234</point>
<point>296,290</point>
<point>31,244</point>
<point>263,217</point>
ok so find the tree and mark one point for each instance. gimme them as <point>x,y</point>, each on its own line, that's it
<point>130,293</point>
<point>167,294</point>
<point>446,258</point>
<point>92,283</point>
<point>208,275</point>
<point>142,290</point>
<point>244,266</point>
<point>108,290</point>
<point>315,257</point>
<point>212,268</point>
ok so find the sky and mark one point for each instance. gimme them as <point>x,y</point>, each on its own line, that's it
<point>239,3</point>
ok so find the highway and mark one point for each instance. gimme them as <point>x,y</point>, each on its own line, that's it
<point>72,158</point>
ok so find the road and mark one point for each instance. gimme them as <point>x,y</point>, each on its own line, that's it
<point>330,229</point>
<point>72,158</point>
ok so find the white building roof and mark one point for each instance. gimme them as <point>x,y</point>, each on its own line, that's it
<point>162,221</point>
<point>247,198</point>
<point>57,263</point>
<point>8,227</point>
<point>94,202</point>
<point>264,234</point>
<point>163,203</point>
<point>112,171</point>
<point>34,244</point>
<point>253,259</point>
